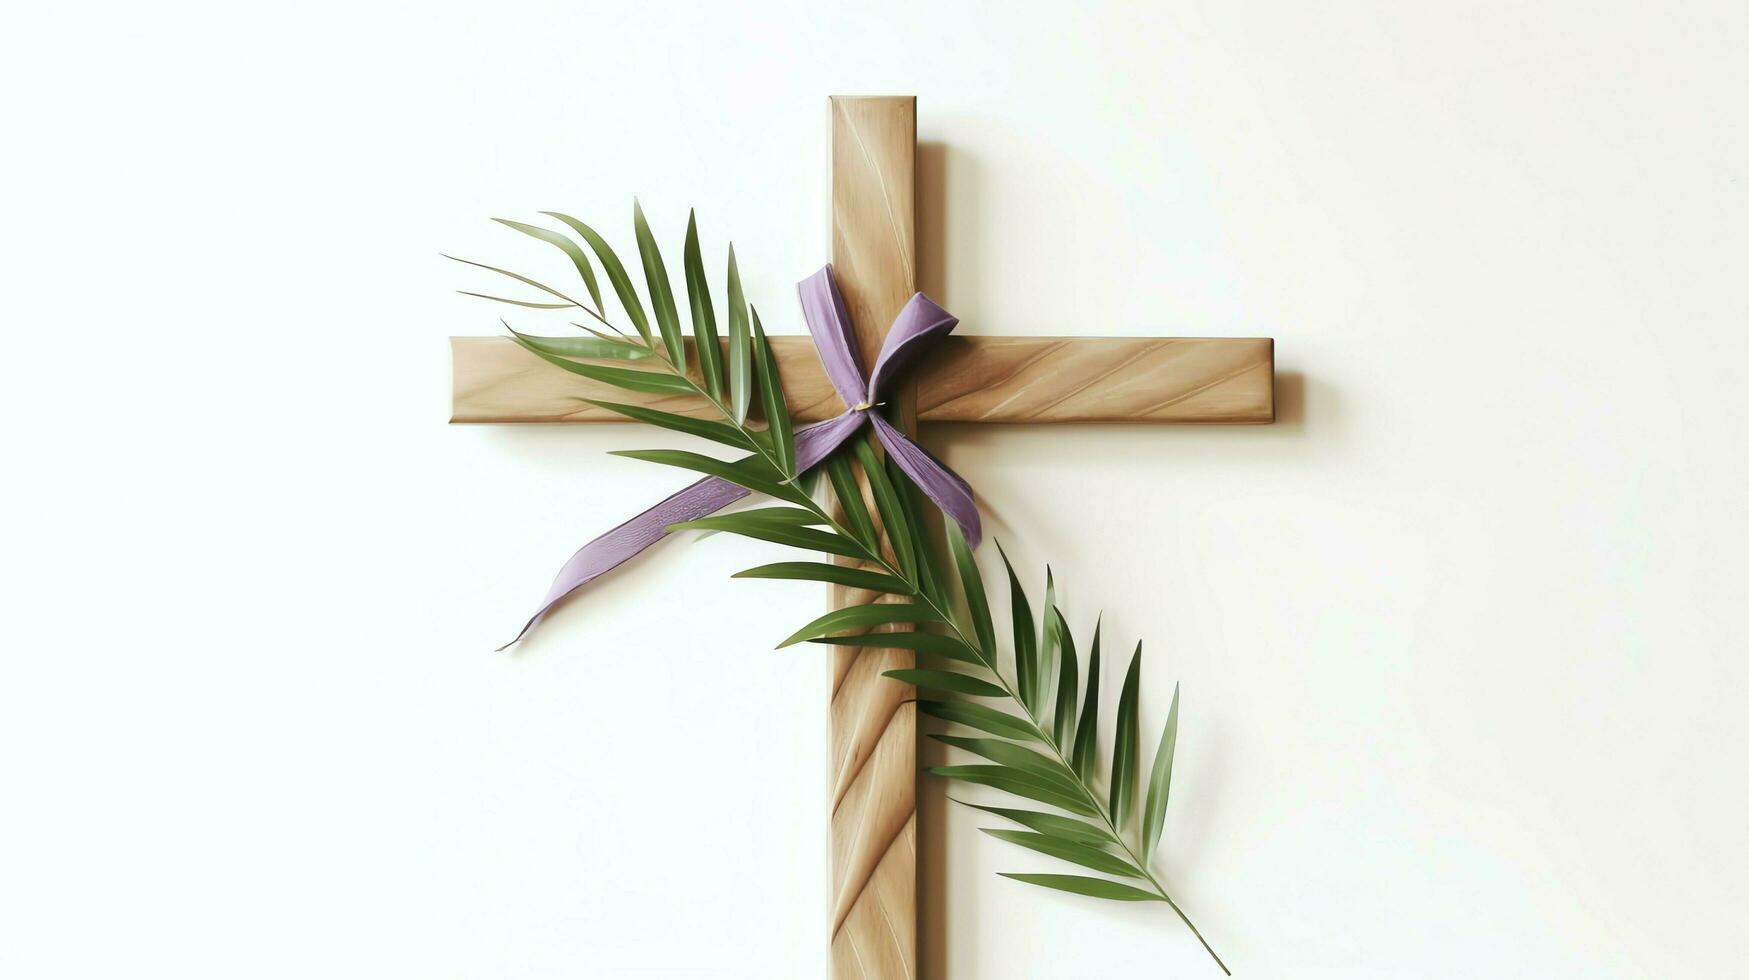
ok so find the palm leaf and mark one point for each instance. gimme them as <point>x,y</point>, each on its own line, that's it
<point>892,511</point>
<point>1085,855</point>
<point>750,526</point>
<point>1160,783</point>
<point>1123,753</point>
<point>1025,641</point>
<point>946,680</point>
<point>751,472</point>
<point>920,642</point>
<point>704,319</point>
<point>599,348</point>
<point>1087,732</point>
<point>569,247</point>
<point>721,432</point>
<point>661,293</point>
<point>849,494</point>
<point>1050,824</point>
<point>972,588</point>
<point>1017,757</point>
<point>1020,784</point>
<point>740,346</point>
<point>981,717</point>
<point>617,337</point>
<point>1047,645</point>
<point>1082,885</point>
<point>616,272</point>
<point>849,575</point>
<point>519,277</point>
<point>777,425</point>
<point>649,382</point>
<point>860,617</point>
<point>775,516</point>
<point>518,302</point>
<point>929,573</point>
<point>1068,670</point>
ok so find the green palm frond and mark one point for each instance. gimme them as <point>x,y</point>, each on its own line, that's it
<point>1032,739</point>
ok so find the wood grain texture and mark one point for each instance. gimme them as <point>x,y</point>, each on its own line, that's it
<point>874,732</point>
<point>966,379</point>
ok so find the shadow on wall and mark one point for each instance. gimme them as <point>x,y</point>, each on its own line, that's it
<point>933,161</point>
<point>940,167</point>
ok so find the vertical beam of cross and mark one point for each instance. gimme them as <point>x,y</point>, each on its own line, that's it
<point>874,723</point>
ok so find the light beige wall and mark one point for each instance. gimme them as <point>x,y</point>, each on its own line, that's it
<point>1460,637</point>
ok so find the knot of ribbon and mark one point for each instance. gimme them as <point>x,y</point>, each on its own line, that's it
<point>917,327</point>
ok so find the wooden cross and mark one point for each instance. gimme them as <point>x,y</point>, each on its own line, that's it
<point>968,379</point>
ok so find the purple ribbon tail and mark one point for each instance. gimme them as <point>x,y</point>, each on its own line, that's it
<point>601,555</point>
<point>942,485</point>
<point>701,499</point>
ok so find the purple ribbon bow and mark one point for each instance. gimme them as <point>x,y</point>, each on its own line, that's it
<point>919,324</point>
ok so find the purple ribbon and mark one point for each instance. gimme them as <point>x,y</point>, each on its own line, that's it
<point>916,327</point>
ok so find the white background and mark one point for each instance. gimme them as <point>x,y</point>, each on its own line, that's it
<point>1460,636</point>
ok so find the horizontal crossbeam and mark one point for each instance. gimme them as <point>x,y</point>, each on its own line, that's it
<point>966,379</point>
